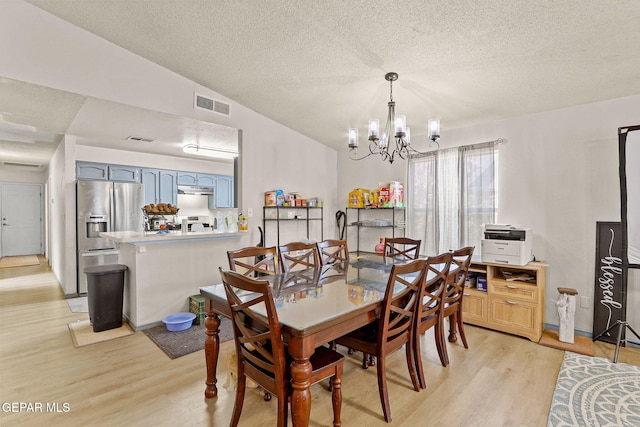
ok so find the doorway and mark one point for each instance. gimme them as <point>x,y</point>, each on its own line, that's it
<point>21,206</point>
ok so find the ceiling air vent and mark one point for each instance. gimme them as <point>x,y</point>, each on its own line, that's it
<point>139,139</point>
<point>25,165</point>
<point>204,103</point>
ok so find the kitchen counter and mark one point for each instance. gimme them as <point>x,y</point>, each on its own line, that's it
<point>165,269</point>
<point>153,237</point>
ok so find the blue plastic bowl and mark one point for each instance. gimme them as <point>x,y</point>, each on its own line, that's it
<point>179,321</point>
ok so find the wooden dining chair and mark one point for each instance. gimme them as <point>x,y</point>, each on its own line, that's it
<point>298,256</point>
<point>333,251</point>
<point>395,327</point>
<point>429,309</point>
<point>402,248</point>
<point>261,350</point>
<point>254,261</point>
<point>454,292</point>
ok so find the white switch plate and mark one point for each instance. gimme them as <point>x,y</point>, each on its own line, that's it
<point>249,212</point>
<point>585,302</point>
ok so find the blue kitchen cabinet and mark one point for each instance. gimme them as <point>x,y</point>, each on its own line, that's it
<point>168,187</point>
<point>206,180</point>
<point>223,192</point>
<point>160,186</point>
<point>124,173</point>
<point>187,178</point>
<point>92,171</point>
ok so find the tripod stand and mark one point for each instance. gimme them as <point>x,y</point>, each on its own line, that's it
<point>623,324</point>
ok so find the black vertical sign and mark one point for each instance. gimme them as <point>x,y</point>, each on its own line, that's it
<point>610,284</point>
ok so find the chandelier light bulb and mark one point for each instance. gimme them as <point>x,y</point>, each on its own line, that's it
<point>353,138</point>
<point>374,129</point>
<point>400,126</point>
<point>434,129</point>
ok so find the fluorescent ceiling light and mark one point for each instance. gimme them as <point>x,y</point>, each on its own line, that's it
<point>203,150</point>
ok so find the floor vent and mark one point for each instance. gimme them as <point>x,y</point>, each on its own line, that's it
<point>26,165</point>
<point>204,103</point>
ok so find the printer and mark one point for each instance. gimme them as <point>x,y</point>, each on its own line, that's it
<point>506,244</point>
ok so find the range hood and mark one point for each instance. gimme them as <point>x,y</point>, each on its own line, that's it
<point>194,189</point>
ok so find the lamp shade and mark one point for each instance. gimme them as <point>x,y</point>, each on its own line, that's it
<point>434,129</point>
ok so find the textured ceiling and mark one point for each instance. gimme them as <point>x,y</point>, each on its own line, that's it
<point>318,66</point>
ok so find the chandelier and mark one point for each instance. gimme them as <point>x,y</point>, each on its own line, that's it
<point>396,138</point>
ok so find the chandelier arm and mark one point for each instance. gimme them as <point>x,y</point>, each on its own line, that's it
<point>361,158</point>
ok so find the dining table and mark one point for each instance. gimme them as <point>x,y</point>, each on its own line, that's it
<point>314,307</point>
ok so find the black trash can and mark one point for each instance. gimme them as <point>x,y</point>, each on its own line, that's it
<point>105,289</point>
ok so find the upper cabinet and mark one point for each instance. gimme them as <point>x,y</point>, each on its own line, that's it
<point>160,186</point>
<point>187,178</point>
<point>206,180</point>
<point>106,172</point>
<point>199,179</point>
<point>169,187</point>
<point>94,171</point>
<point>224,192</point>
<point>124,173</point>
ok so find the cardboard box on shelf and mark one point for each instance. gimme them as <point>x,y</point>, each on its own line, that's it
<point>470,282</point>
<point>396,194</point>
<point>274,198</point>
<point>359,198</point>
<point>481,283</point>
<point>384,200</point>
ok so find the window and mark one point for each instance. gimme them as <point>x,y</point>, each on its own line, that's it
<point>451,196</point>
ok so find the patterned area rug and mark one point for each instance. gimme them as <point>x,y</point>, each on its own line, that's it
<point>592,391</point>
<point>181,343</point>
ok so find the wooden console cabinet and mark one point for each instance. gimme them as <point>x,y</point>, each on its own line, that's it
<point>514,300</point>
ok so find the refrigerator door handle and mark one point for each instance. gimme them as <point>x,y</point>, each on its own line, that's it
<point>112,208</point>
<point>99,253</point>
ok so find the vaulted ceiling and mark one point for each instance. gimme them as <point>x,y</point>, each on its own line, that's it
<point>318,66</point>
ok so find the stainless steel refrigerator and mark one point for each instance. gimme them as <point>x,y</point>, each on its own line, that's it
<point>104,206</point>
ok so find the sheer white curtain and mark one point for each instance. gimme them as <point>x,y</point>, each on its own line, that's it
<point>451,194</point>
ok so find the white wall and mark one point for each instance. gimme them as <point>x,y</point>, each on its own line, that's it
<point>558,176</point>
<point>23,176</point>
<point>56,54</point>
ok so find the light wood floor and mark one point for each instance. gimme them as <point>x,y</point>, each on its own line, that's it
<point>501,380</point>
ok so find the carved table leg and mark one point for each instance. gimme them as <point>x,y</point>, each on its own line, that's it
<point>301,350</point>
<point>211,351</point>
<point>301,395</point>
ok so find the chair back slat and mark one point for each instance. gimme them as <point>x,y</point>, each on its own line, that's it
<point>460,263</point>
<point>299,256</point>
<point>398,309</point>
<point>254,261</point>
<point>258,341</point>
<point>402,248</point>
<point>436,275</point>
<point>333,251</point>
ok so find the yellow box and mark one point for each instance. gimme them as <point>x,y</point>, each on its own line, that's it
<point>358,198</point>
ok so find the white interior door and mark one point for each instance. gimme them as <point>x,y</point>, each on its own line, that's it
<point>21,219</point>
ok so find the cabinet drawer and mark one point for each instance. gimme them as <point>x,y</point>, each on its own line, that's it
<point>513,316</point>
<point>474,307</point>
<point>514,290</point>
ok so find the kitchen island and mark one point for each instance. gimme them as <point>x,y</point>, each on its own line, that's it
<point>165,269</point>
